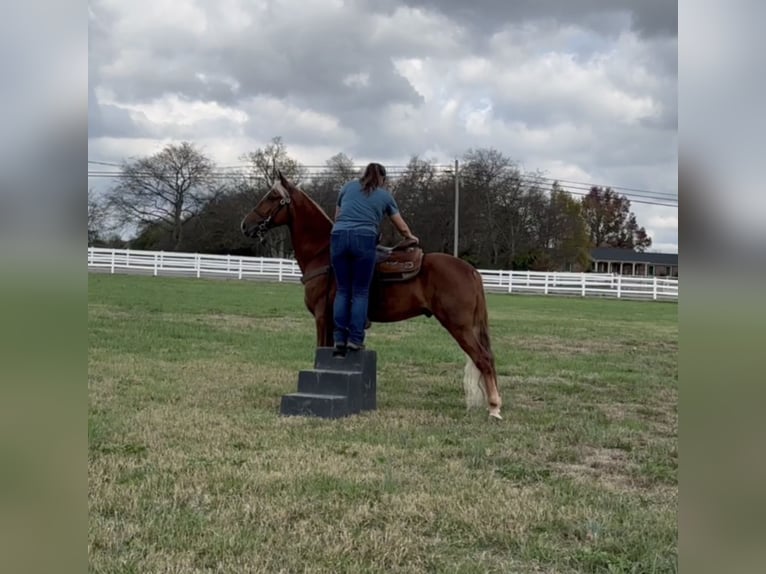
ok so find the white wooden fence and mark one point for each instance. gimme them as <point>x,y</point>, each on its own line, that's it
<point>171,263</point>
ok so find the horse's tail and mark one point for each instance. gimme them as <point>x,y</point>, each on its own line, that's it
<point>474,384</point>
<point>481,320</point>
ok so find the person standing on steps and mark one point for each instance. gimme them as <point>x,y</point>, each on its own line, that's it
<point>362,204</point>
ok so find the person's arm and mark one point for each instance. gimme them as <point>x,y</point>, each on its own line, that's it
<point>337,203</point>
<point>402,227</point>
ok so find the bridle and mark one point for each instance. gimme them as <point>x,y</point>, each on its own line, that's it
<point>265,225</point>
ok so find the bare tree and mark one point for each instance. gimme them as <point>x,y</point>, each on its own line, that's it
<point>96,218</point>
<point>262,173</point>
<point>165,189</point>
<point>425,198</point>
<point>324,188</point>
<point>492,190</point>
<point>264,162</point>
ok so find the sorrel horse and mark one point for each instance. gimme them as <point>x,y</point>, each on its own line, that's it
<point>446,287</point>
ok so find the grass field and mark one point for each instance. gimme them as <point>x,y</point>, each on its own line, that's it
<point>192,470</point>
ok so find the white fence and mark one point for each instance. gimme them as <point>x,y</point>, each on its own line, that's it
<point>173,263</point>
<point>581,284</point>
<point>167,263</point>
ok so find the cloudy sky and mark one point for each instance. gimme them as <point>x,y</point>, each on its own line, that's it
<point>583,90</point>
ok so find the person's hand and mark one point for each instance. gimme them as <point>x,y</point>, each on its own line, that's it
<point>415,239</point>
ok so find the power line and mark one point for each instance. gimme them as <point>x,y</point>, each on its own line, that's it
<point>319,173</point>
<point>670,201</point>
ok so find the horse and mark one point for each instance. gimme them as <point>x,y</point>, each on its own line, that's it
<point>445,287</point>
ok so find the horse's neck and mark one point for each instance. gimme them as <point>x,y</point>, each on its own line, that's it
<point>310,232</point>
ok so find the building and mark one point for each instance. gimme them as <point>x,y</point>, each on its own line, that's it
<point>629,262</point>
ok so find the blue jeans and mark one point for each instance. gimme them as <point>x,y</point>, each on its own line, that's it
<point>353,261</point>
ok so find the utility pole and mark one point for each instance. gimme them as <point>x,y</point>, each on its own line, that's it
<point>457,210</point>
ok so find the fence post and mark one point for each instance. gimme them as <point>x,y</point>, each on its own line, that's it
<point>280,270</point>
<point>546,284</point>
<point>619,285</point>
<point>196,263</point>
<point>127,258</point>
<point>228,263</point>
<point>113,256</point>
<point>240,268</point>
<point>582,278</point>
<point>456,230</point>
<point>155,265</point>
<point>510,281</point>
<point>654,289</point>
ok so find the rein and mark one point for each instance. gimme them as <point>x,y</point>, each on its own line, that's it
<point>265,225</point>
<point>324,270</point>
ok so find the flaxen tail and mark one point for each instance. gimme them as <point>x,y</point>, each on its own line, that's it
<point>481,320</point>
<point>474,384</point>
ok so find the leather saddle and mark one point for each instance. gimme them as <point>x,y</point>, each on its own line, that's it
<point>400,262</point>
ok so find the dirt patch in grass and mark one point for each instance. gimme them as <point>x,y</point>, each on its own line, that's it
<point>220,321</point>
<point>268,324</point>
<point>610,468</point>
<point>559,346</point>
<point>661,414</point>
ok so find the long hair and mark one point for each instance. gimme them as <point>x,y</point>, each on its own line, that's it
<point>374,177</point>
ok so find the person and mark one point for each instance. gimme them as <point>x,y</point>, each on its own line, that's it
<point>362,204</point>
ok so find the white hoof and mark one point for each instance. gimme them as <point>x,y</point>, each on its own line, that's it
<point>495,414</point>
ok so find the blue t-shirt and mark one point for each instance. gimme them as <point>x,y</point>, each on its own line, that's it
<point>359,211</point>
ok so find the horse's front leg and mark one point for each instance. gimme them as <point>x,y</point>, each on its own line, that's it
<point>321,329</point>
<point>324,326</point>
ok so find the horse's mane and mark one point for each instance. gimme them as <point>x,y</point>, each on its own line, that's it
<point>280,188</point>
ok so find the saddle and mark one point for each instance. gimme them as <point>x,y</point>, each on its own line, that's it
<point>398,263</point>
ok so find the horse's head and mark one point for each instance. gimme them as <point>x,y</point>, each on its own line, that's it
<point>272,210</point>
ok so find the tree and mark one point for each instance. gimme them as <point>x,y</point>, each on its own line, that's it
<point>217,227</point>
<point>324,188</point>
<point>165,190</point>
<point>96,218</point>
<point>426,200</point>
<point>610,222</point>
<point>489,205</point>
<point>264,162</point>
<point>567,241</point>
<point>262,173</point>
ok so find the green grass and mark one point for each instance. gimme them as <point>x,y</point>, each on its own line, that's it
<point>192,470</point>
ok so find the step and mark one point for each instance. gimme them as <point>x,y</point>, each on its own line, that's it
<point>364,362</point>
<point>353,361</point>
<point>308,404</point>
<point>326,382</point>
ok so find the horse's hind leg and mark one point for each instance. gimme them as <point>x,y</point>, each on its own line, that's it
<point>468,337</point>
<point>484,362</point>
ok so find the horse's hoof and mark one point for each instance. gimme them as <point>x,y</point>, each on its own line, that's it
<point>496,415</point>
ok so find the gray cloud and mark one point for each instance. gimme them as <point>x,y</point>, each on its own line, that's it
<point>582,86</point>
<point>648,17</point>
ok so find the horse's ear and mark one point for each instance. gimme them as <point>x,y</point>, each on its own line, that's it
<point>283,180</point>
